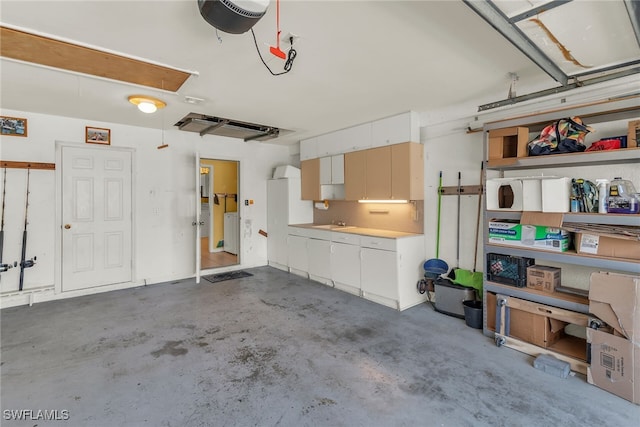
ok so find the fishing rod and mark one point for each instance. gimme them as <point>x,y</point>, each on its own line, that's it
<point>25,263</point>
<point>4,267</point>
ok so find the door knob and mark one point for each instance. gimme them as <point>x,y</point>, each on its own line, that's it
<point>67,226</point>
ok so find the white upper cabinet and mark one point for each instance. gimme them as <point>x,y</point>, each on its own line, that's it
<point>355,138</point>
<point>397,129</point>
<point>325,170</point>
<point>337,169</point>
<point>329,144</point>
<point>308,149</point>
<point>332,169</point>
<point>404,127</point>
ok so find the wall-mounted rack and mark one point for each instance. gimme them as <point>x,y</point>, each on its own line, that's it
<point>464,190</point>
<point>27,165</point>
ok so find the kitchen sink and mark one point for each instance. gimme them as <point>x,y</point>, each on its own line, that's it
<point>333,227</point>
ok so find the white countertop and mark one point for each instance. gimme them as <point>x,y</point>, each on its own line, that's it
<point>373,232</point>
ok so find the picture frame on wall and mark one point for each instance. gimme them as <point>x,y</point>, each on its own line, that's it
<point>95,135</point>
<point>13,126</point>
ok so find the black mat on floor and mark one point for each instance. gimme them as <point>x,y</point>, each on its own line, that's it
<point>213,278</point>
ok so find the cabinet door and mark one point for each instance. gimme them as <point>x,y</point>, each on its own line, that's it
<point>337,169</point>
<point>395,130</point>
<point>356,138</point>
<point>379,276</point>
<point>355,176</point>
<point>298,259</point>
<point>378,171</point>
<point>345,267</point>
<point>319,254</point>
<point>330,143</point>
<point>325,170</point>
<point>308,149</point>
<point>407,171</point>
<point>310,177</point>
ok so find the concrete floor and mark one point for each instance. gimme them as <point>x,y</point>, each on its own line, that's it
<point>275,349</point>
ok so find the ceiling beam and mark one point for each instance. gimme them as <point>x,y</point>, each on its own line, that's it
<point>553,91</point>
<point>538,10</point>
<point>500,22</point>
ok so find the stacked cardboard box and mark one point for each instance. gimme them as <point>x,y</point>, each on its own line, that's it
<point>615,357</point>
<point>543,278</point>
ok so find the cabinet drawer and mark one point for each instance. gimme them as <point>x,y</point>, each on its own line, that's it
<point>378,243</point>
<point>351,239</point>
<point>298,231</point>
<point>315,233</point>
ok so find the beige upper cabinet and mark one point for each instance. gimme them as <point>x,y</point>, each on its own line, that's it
<point>378,172</point>
<point>310,179</point>
<point>385,173</point>
<point>355,175</point>
<point>407,166</point>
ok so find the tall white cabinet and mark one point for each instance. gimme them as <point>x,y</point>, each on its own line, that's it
<point>284,207</point>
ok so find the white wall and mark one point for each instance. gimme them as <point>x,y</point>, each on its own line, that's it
<point>165,197</point>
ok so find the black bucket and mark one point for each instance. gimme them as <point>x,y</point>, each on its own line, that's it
<point>473,313</point>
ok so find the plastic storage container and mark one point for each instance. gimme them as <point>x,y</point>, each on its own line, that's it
<point>622,197</point>
<point>508,270</point>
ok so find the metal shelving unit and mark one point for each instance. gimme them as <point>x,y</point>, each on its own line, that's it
<point>599,112</point>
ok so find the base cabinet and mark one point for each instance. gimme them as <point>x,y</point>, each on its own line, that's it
<point>298,259</point>
<point>345,267</point>
<point>380,276</point>
<point>381,269</point>
<point>319,255</point>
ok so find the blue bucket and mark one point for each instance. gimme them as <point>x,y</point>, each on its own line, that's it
<point>435,267</point>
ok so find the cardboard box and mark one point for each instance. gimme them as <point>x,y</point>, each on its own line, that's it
<point>615,358</point>
<point>543,278</point>
<point>531,236</point>
<point>508,143</point>
<point>609,246</point>
<point>532,328</point>
<point>556,194</point>
<point>615,365</point>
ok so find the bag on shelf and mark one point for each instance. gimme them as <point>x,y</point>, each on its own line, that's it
<point>605,144</point>
<point>564,136</point>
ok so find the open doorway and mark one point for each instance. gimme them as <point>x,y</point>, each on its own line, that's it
<point>219,241</point>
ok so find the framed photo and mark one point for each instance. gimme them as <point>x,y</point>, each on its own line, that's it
<point>97,135</point>
<point>13,126</point>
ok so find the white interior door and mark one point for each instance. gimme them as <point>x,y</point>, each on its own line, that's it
<point>96,217</point>
<point>198,221</point>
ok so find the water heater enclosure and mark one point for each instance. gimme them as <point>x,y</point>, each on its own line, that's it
<point>235,17</point>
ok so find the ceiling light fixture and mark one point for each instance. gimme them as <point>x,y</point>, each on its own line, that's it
<point>146,104</point>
